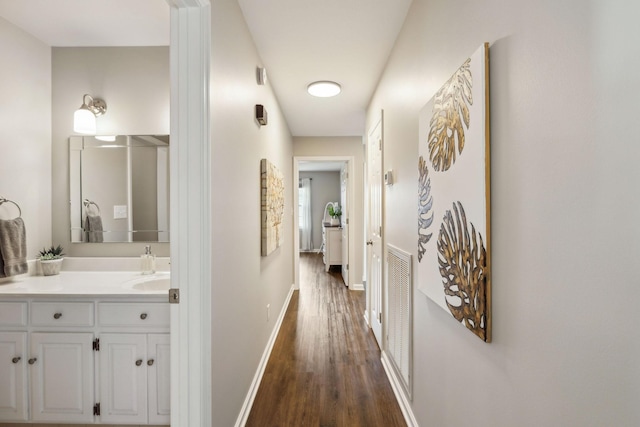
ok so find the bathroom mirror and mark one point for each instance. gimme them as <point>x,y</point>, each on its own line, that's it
<point>119,188</point>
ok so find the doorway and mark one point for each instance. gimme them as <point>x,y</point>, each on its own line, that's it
<point>342,166</point>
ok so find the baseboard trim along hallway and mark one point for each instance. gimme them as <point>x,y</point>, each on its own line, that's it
<point>255,384</point>
<point>405,406</point>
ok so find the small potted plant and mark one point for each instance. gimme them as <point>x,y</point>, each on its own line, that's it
<point>335,212</point>
<point>51,260</point>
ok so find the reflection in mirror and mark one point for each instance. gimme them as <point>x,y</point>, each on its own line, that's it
<point>119,188</point>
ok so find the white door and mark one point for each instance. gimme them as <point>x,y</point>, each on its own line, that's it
<point>13,376</point>
<point>374,230</point>
<point>123,378</point>
<point>158,362</point>
<point>61,369</point>
<point>344,202</point>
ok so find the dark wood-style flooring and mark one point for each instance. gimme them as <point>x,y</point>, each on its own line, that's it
<point>325,367</point>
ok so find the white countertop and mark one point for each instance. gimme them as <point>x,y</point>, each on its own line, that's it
<point>83,283</point>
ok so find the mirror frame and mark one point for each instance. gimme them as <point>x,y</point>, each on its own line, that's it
<point>136,187</point>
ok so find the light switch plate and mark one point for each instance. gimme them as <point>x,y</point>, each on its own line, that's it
<point>119,211</point>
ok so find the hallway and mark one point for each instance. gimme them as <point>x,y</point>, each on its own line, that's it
<point>325,367</point>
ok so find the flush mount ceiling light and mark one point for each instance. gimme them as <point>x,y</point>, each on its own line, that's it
<point>84,119</point>
<point>324,89</point>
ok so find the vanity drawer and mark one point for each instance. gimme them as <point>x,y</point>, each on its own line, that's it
<point>13,314</point>
<point>133,314</point>
<point>62,313</point>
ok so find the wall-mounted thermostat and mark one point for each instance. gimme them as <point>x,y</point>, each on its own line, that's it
<point>388,177</point>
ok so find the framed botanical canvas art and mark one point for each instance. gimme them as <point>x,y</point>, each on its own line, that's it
<point>454,262</point>
<point>271,206</point>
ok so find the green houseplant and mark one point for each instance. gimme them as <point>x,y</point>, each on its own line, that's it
<point>335,212</point>
<point>51,260</point>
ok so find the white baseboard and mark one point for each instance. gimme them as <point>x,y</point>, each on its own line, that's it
<point>356,287</point>
<point>255,384</point>
<point>405,406</point>
<point>366,318</point>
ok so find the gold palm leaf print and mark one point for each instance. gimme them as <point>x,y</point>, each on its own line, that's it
<point>462,260</point>
<point>450,110</point>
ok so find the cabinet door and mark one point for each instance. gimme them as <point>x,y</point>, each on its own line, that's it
<point>61,368</point>
<point>123,378</point>
<point>13,376</point>
<point>334,243</point>
<point>159,377</point>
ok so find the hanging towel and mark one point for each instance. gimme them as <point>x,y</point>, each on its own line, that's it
<point>13,247</point>
<point>93,227</point>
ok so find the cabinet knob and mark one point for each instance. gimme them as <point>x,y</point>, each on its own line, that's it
<point>57,316</point>
<point>150,362</point>
<point>143,316</point>
<point>16,359</point>
<point>138,362</point>
<point>32,361</point>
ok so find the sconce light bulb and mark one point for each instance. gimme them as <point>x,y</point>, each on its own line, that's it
<point>84,121</point>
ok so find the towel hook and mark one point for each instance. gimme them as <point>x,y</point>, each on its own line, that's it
<point>87,203</point>
<point>3,200</point>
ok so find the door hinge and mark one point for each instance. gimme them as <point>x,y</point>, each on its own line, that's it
<point>380,317</point>
<point>347,266</point>
<point>347,221</point>
<point>380,231</point>
<point>174,296</point>
<point>96,344</point>
<point>96,409</point>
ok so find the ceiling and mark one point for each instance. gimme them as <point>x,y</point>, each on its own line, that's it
<point>347,41</point>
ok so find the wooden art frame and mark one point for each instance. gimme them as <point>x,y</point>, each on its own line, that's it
<point>271,207</point>
<point>454,191</point>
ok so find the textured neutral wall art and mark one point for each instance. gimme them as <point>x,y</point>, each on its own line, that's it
<point>454,268</point>
<point>272,206</point>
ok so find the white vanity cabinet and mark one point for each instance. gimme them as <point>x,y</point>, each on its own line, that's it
<point>134,367</point>
<point>13,376</point>
<point>13,361</point>
<point>95,360</point>
<point>61,361</point>
<point>61,370</point>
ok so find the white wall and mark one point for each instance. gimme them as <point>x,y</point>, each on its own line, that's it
<point>325,187</point>
<point>243,281</point>
<point>134,82</point>
<point>565,209</point>
<point>342,146</point>
<point>25,132</point>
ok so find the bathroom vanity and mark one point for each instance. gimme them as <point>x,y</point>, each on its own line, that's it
<point>85,347</point>
<point>331,245</point>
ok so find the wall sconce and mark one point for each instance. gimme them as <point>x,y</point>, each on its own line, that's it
<point>84,119</point>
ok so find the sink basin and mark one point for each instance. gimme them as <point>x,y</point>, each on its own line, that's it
<point>160,284</point>
<point>156,282</point>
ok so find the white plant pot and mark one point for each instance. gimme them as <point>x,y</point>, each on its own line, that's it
<point>51,267</point>
<point>335,221</point>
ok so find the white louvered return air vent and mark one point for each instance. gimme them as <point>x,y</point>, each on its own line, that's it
<point>399,325</point>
